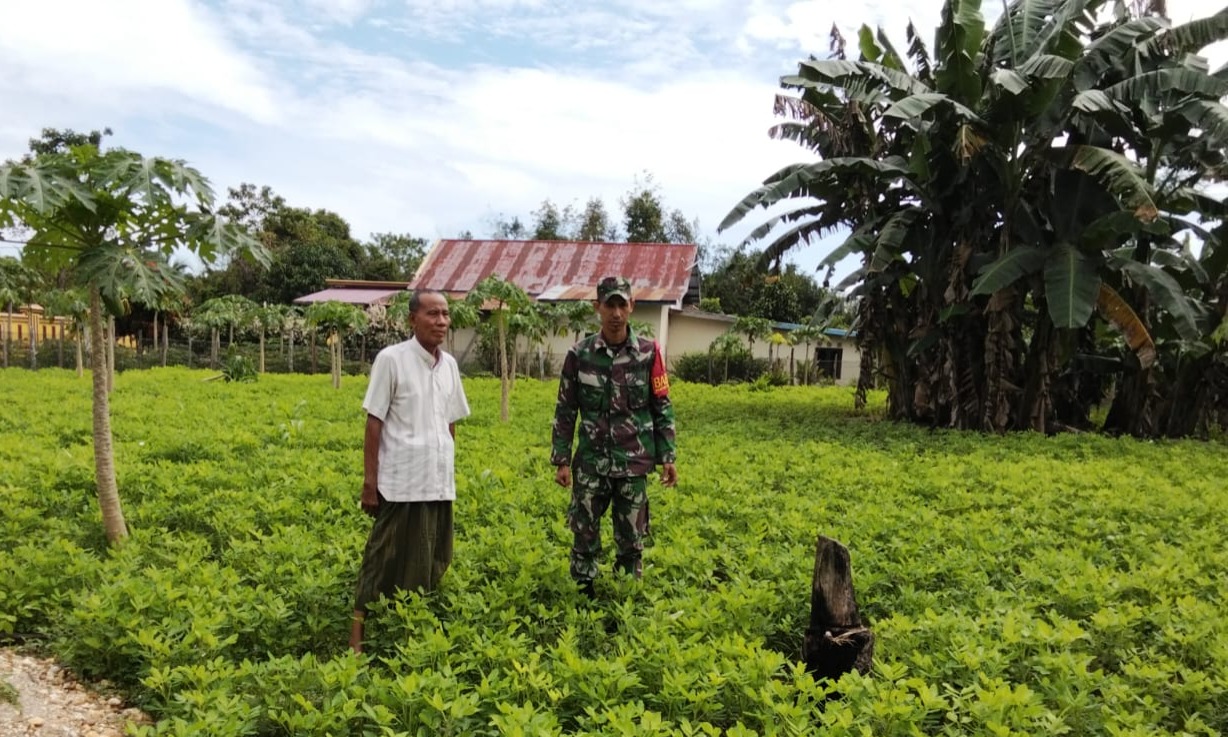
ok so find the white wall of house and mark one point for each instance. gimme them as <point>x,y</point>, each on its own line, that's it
<point>679,332</point>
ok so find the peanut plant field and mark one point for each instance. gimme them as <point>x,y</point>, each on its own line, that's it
<point>1018,585</point>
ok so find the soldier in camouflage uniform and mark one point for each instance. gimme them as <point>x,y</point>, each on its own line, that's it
<point>616,381</point>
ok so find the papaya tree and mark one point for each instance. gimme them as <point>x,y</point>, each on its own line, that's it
<point>464,315</point>
<point>501,299</point>
<point>336,320</point>
<point>111,218</point>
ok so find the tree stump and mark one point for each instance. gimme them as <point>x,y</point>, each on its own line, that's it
<point>836,640</point>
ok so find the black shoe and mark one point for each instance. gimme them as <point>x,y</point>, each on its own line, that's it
<point>588,590</point>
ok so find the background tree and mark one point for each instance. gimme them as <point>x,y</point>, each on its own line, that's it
<point>113,218</point>
<point>595,223</point>
<point>552,224</point>
<point>753,328</point>
<point>268,318</point>
<point>394,256</point>
<point>14,280</point>
<point>503,299</point>
<point>464,315</point>
<point>807,335</point>
<point>645,219</point>
<point>336,320</point>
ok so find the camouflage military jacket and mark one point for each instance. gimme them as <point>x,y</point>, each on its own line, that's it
<point>625,428</point>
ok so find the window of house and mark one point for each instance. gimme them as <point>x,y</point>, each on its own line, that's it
<point>828,361</point>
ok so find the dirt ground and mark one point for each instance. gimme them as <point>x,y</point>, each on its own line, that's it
<point>38,697</point>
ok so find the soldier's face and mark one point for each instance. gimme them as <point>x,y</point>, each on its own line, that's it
<point>614,315</point>
<point>430,323</point>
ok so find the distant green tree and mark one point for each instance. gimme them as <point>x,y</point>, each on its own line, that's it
<point>394,256</point>
<point>595,223</point>
<point>552,224</point>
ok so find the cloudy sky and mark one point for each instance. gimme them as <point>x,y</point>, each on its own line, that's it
<point>434,116</point>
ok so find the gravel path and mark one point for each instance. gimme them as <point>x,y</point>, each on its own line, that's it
<point>38,697</point>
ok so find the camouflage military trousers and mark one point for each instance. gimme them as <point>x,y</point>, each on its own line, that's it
<point>590,496</point>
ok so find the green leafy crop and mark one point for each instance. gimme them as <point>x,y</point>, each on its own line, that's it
<point>1017,585</point>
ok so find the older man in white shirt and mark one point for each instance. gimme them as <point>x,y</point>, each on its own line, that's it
<point>413,401</point>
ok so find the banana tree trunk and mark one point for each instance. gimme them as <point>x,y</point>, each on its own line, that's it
<point>1042,357</point>
<point>104,455</point>
<point>999,361</point>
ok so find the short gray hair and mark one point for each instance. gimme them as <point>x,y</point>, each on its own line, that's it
<point>415,298</point>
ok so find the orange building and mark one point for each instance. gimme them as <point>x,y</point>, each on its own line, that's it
<point>29,318</point>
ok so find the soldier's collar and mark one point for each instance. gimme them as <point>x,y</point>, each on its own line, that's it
<point>632,342</point>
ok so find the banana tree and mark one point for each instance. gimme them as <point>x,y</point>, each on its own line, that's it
<point>501,299</point>
<point>112,218</point>
<point>336,320</point>
<point>988,190</point>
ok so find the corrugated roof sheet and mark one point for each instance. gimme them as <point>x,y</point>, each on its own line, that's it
<point>351,295</point>
<point>560,270</point>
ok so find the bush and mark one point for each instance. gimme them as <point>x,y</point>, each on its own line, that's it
<point>709,368</point>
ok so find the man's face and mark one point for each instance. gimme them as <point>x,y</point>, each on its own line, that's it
<point>430,323</point>
<point>614,314</point>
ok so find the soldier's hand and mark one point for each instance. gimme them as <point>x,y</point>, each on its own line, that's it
<point>370,499</point>
<point>669,475</point>
<point>562,477</point>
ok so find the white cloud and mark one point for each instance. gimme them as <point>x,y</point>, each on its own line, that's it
<point>130,53</point>
<point>396,138</point>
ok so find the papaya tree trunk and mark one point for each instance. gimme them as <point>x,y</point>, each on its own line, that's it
<point>110,353</point>
<point>104,455</point>
<point>8,333</point>
<point>314,362</point>
<point>290,353</point>
<point>32,319</point>
<point>262,349</point>
<point>505,383</point>
<point>215,347</point>
<point>155,331</point>
<point>166,340</point>
<point>59,359</point>
<point>80,357</point>
<point>189,350</point>
<point>335,355</point>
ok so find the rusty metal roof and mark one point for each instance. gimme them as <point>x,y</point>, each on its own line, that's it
<point>560,270</point>
<point>352,295</point>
